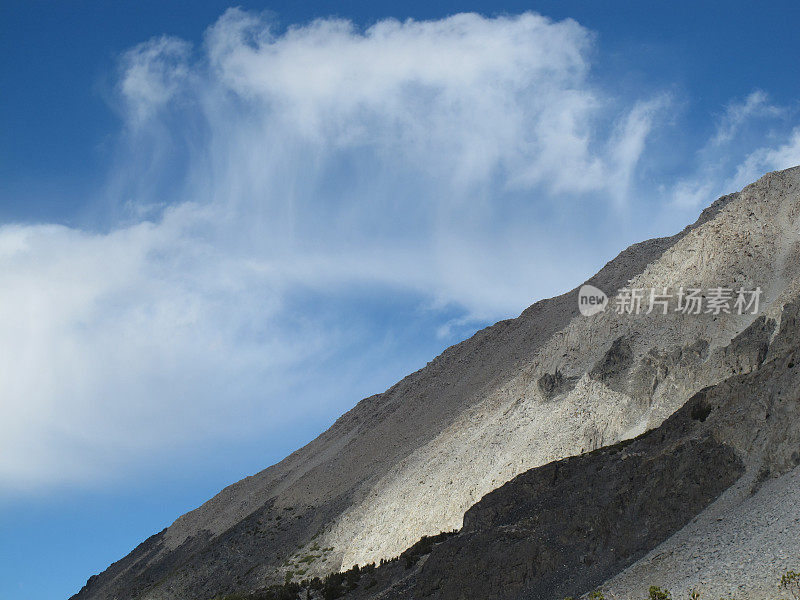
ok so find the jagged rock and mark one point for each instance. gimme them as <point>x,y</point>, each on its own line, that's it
<point>615,362</point>
<point>555,384</point>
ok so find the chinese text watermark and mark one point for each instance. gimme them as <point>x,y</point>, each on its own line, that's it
<point>664,300</point>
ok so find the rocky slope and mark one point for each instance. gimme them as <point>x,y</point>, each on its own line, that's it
<point>566,528</point>
<point>706,502</point>
<point>521,394</point>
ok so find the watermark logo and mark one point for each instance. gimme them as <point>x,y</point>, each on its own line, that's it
<point>663,300</point>
<point>591,300</point>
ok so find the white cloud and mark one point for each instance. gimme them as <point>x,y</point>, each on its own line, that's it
<point>412,157</point>
<point>763,160</point>
<point>627,144</point>
<point>118,345</point>
<point>738,113</point>
<point>727,161</point>
<point>153,72</point>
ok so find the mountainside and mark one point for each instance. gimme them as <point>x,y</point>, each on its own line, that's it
<point>566,528</point>
<point>721,476</point>
<point>520,438</point>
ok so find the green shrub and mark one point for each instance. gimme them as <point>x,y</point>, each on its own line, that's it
<point>791,582</point>
<point>656,593</point>
<point>423,547</point>
<point>332,586</point>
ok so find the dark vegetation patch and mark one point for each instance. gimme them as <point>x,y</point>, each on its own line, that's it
<point>336,585</point>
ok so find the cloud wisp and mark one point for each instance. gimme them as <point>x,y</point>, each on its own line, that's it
<point>752,136</point>
<point>411,158</point>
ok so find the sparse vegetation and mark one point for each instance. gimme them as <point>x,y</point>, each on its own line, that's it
<point>656,593</point>
<point>336,585</point>
<point>791,583</point>
<point>423,547</point>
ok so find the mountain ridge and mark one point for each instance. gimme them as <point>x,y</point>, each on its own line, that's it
<point>355,488</point>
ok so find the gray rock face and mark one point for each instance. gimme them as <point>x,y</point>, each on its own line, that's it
<point>523,393</point>
<point>565,528</point>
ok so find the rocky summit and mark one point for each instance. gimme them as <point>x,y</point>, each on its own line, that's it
<point>653,443</point>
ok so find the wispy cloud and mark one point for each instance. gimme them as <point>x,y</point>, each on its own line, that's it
<point>737,114</point>
<point>409,158</point>
<point>735,154</point>
<point>769,158</point>
<point>152,74</point>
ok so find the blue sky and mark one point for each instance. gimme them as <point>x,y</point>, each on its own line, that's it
<point>220,228</point>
